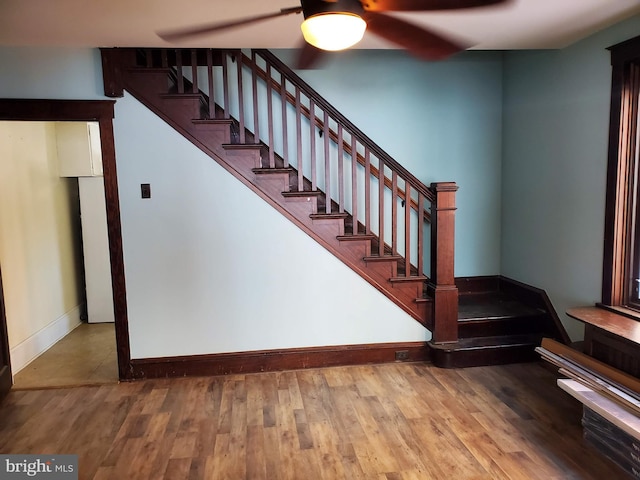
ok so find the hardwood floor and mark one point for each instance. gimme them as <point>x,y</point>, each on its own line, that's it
<point>86,356</point>
<point>384,422</point>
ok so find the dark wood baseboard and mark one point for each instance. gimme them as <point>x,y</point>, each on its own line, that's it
<point>278,360</point>
<point>327,356</point>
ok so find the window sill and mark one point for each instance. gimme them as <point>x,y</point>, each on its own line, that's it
<point>618,321</point>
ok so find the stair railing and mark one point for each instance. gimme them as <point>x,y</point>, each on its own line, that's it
<point>303,132</point>
<point>358,176</point>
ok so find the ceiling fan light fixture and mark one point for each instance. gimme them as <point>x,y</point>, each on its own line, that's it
<point>334,30</point>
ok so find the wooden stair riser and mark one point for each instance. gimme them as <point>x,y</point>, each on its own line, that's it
<point>288,175</point>
<point>274,183</point>
<point>213,135</point>
<point>208,143</point>
<point>500,326</point>
<point>413,285</point>
<point>248,158</point>
<point>330,226</point>
<point>187,108</point>
<point>387,268</point>
<point>301,207</point>
<point>354,241</point>
<point>154,80</point>
<point>501,355</point>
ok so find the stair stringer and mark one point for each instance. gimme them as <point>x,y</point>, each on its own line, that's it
<point>182,112</point>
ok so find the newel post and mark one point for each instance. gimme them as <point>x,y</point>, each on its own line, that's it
<point>114,61</point>
<point>442,282</point>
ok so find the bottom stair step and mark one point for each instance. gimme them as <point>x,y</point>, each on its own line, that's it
<point>478,351</point>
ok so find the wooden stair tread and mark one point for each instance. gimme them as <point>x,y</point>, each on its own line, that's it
<point>416,278</point>
<point>424,300</point>
<point>242,146</point>
<point>382,258</point>
<point>266,171</point>
<point>320,216</point>
<point>480,343</point>
<point>213,121</point>
<point>356,237</point>
<point>494,328</point>
<point>498,350</point>
<point>148,69</point>
<point>303,193</point>
<point>181,95</point>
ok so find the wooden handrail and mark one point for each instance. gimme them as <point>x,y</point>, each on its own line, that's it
<point>378,218</point>
<point>334,136</point>
<point>364,139</point>
<point>200,57</point>
<point>191,58</point>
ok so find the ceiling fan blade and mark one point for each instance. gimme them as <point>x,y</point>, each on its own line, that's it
<point>418,41</point>
<point>424,5</point>
<point>173,35</point>
<point>308,56</point>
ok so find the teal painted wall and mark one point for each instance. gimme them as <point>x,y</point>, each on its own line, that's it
<point>440,120</point>
<point>53,73</point>
<point>524,134</point>
<point>556,119</point>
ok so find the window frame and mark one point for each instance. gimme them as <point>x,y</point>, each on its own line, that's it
<point>622,211</point>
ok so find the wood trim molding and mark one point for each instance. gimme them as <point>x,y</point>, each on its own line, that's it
<point>5,361</point>
<point>626,51</point>
<point>277,360</point>
<point>318,357</point>
<point>620,168</point>
<point>101,111</point>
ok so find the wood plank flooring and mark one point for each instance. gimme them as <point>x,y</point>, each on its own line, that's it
<point>86,356</point>
<point>384,422</point>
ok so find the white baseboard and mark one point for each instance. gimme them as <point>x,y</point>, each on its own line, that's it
<point>27,351</point>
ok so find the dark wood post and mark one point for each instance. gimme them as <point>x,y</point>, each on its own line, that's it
<point>442,283</point>
<point>114,60</point>
<point>6,379</point>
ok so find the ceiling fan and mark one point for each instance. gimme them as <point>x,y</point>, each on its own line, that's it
<point>331,25</point>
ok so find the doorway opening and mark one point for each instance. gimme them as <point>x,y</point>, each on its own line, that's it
<point>70,298</point>
<point>55,255</point>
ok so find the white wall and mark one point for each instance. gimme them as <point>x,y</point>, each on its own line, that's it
<point>39,241</point>
<point>211,267</point>
<point>554,174</point>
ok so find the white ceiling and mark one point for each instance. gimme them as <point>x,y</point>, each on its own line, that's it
<point>521,24</point>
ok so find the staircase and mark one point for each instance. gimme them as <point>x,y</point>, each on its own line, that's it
<point>262,123</point>
<point>500,321</point>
